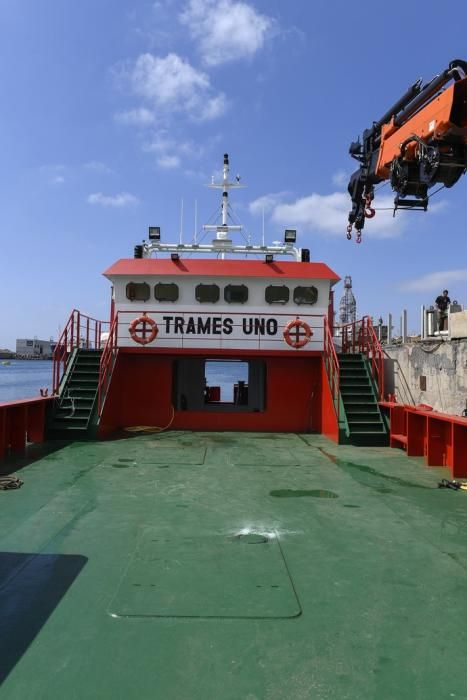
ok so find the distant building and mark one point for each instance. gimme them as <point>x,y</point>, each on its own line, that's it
<point>34,348</point>
<point>6,354</point>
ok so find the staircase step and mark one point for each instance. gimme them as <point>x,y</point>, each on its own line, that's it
<point>356,390</point>
<point>68,412</point>
<point>61,423</point>
<point>362,428</point>
<point>76,392</point>
<point>76,405</point>
<point>353,372</point>
<point>365,415</point>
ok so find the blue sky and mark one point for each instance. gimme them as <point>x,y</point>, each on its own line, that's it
<point>112,112</point>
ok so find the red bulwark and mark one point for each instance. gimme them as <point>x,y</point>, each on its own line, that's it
<point>167,267</point>
<point>439,437</point>
<point>146,383</point>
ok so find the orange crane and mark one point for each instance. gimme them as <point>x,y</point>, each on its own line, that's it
<point>419,142</point>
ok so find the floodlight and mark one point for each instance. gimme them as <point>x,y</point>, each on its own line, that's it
<point>174,257</point>
<point>305,255</point>
<point>154,233</point>
<point>138,251</point>
<point>269,258</point>
<point>290,235</point>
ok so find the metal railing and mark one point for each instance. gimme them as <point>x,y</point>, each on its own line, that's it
<point>331,362</point>
<point>107,363</point>
<point>360,336</point>
<point>81,331</point>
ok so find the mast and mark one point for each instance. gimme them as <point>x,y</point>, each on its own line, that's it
<point>222,230</point>
<point>222,243</point>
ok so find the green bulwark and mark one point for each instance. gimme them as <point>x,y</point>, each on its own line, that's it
<point>240,566</point>
<point>363,422</point>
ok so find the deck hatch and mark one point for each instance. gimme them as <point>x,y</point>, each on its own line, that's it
<point>220,576</point>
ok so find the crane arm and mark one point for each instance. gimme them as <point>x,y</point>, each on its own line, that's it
<point>419,142</point>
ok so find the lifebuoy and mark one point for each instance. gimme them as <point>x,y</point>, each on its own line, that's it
<point>139,334</point>
<point>297,333</point>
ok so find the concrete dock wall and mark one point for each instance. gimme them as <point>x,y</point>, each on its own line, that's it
<point>430,372</point>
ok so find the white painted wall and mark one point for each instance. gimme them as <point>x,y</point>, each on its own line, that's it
<point>255,307</point>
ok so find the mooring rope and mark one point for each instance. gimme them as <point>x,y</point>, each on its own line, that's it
<point>10,482</point>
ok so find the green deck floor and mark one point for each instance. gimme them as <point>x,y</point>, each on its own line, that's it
<point>232,567</point>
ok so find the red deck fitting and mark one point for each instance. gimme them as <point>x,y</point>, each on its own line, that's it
<point>439,437</point>
<point>22,421</point>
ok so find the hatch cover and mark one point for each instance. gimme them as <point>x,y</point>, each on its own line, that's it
<point>178,575</point>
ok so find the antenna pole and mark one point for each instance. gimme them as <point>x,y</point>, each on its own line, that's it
<point>196,221</point>
<point>262,238</point>
<point>181,224</point>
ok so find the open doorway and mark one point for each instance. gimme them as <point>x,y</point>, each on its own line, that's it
<point>226,382</point>
<point>219,385</point>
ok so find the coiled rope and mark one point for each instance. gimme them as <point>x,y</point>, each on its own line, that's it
<point>10,482</point>
<point>150,428</point>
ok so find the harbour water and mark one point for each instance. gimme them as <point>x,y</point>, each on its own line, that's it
<point>22,379</point>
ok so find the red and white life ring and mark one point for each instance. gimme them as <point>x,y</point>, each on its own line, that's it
<point>297,333</point>
<point>139,328</point>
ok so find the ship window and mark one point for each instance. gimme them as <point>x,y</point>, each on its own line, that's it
<point>236,294</point>
<point>305,295</point>
<point>137,291</point>
<point>277,294</point>
<point>207,293</point>
<point>166,292</point>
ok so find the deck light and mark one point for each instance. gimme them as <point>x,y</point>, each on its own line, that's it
<point>174,257</point>
<point>154,233</point>
<point>290,235</point>
<point>269,258</point>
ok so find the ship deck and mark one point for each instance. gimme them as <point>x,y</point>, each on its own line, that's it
<point>231,566</point>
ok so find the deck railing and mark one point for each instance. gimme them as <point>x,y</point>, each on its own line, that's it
<point>107,363</point>
<point>81,331</point>
<point>331,362</point>
<point>360,336</point>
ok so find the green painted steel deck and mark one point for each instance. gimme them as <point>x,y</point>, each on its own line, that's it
<point>232,566</point>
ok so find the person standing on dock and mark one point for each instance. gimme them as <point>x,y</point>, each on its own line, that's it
<point>442,302</point>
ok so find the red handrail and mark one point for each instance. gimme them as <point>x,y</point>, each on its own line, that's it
<point>331,362</point>
<point>80,331</point>
<point>107,363</point>
<point>360,336</point>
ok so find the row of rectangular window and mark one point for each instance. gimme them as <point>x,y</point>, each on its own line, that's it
<point>210,293</point>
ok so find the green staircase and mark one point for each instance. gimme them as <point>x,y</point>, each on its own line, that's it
<point>74,409</point>
<point>366,424</point>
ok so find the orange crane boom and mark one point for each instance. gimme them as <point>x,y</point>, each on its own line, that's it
<point>419,142</point>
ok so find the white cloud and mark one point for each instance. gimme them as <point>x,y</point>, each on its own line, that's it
<point>168,161</point>
<point>340,178</point>
<point>98,166</point>
<point>58,180</point>
<point>435,281</point>
<point>328,214</point>
<point>123,199</point>
<point>172,84</point>
<point>266,203</point>
<point>212,109</point>
<point>135,117</point>
<point>226,30</point>
<point>170,152</point>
